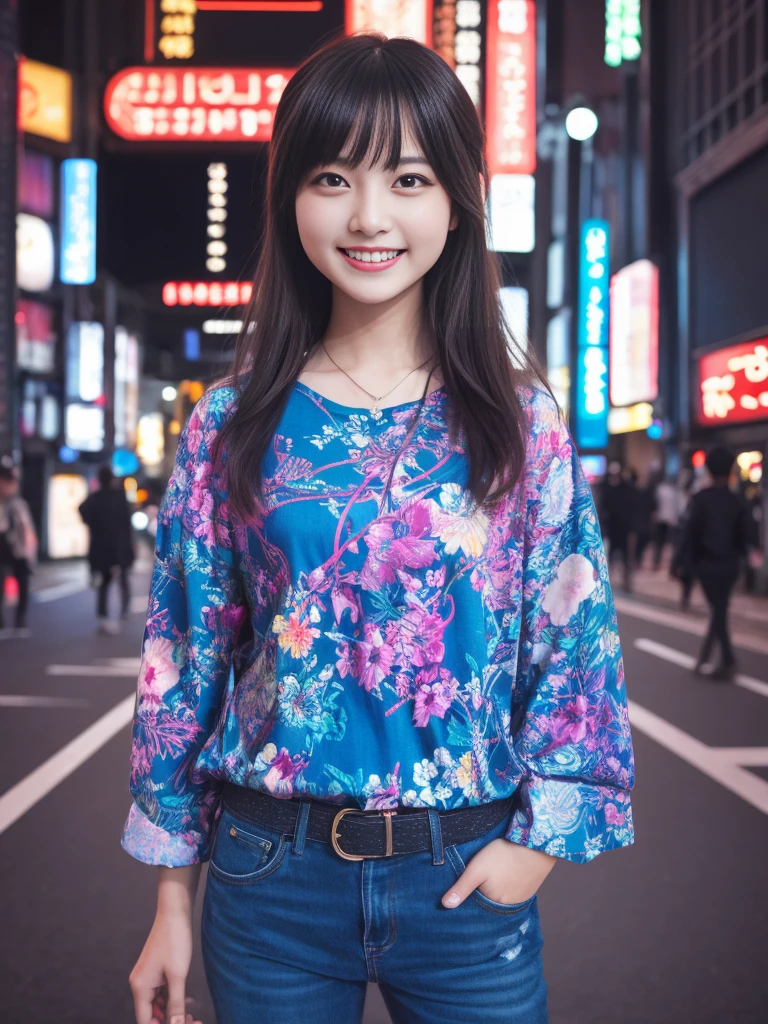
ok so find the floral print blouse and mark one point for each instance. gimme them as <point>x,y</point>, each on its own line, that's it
<point>380,647</point>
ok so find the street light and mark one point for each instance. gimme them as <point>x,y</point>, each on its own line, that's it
<point>581,123</point>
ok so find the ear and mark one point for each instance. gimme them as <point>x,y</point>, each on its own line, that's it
<point>454,222</point>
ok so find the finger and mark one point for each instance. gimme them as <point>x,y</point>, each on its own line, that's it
<point>466,883</point>
<point>175,1012</point>
<point>142,1005</point>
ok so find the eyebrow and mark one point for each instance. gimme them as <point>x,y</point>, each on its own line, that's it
<point>346,162</point>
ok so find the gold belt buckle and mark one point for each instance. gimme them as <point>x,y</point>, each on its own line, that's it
<point>388,815</point>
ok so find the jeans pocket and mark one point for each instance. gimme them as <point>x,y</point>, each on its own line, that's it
<point>461,854</point>
<point>245,851</point>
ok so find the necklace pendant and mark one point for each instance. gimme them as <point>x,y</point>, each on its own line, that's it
<point>375,409</point>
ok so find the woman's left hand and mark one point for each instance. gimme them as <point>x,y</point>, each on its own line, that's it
<point>504,871</point>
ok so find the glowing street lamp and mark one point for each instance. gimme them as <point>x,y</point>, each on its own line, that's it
<point>581,123</point>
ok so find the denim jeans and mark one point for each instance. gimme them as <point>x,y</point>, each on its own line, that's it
<point>292,932</point>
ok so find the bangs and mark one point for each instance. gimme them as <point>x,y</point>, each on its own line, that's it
<point>368,112</point>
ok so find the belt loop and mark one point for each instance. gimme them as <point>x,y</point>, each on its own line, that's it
<point>302,822</point>
<point>437,836</point>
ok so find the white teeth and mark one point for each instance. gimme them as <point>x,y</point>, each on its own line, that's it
<point>371,257</point>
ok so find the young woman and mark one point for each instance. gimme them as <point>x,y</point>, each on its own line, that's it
<point>381,688</point>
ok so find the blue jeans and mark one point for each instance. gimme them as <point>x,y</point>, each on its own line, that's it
<point>292,932</point>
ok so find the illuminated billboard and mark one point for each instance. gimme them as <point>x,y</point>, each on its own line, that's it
<point>391,17</point>
<point>192,104</point>
<point>635,334</point>
<point>78,222</point>
<point>45,101</point>
<point>733,384</point>
<point>510,86</point>
<point>592,354</point>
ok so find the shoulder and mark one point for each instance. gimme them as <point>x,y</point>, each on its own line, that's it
<point>216,406</point>
<point>547,432</point>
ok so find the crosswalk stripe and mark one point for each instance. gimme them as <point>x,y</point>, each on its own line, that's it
<point>738,780</point>
<point>39,783</point>
<point>687,661</point>
<point>683,623</point>
<point>14,700</point>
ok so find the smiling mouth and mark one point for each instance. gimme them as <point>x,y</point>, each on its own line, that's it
<point>377,257</point>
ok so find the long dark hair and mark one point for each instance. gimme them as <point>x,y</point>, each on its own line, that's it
<point>363,88</point>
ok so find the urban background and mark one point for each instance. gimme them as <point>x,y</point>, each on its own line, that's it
<point>627,142</point>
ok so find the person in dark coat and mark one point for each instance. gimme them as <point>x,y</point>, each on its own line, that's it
<point>617,515</point>
<point>719,532</point>
<point>107,515</point>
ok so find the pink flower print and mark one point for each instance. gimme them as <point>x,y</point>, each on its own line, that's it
<point>343,599</point>
<point>158,672</point>
<point>346,662</point>
<point>436,577</point>
<point>279,778</point>
<point>422,636</point>
<point>612,815</point>
<point>573,584</point>
<point>431,699</point>
<point>373,658</point>
<point>194,433</point>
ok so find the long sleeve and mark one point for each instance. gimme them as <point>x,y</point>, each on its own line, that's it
<point>570,723</point>
<point>195,614</point>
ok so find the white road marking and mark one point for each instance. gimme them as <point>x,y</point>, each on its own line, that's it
<point>757,757</point>
<point>738,780</point>
<point>25,794</point>
<point>12,700</point>
<point>687,661</point>
<point>95,670</point>
<point>686,624</point>
<point>58,591</point>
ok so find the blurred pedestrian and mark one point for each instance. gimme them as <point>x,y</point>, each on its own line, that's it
<point>379,592</point>
<point>107,515</point>
<point>18,550</point>
<point>680,567</point>
<point>666,517</point>
<point>618,516</point>
<point>645,508</point>
<point>719,532</point>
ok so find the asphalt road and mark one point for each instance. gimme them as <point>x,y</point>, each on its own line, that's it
<point>670,931</point>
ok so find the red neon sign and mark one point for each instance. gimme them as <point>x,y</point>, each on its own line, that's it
<point>733,384</point>
<point>191,104</point>
<point>510,89</point>
<point>292,6</point>
<point>207,293</point>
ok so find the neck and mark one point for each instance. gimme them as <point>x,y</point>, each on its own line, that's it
<point>382,338</point>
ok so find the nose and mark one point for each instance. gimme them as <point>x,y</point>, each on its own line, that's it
<point>370,215</point>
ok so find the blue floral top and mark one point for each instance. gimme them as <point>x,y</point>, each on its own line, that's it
<point>381,649</point>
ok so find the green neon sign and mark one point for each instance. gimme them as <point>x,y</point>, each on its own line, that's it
<point>622,31</point>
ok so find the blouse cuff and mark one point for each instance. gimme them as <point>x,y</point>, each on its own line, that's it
<point>571,820</point>
<point>153,845</point>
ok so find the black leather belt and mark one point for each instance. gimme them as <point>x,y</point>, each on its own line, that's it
<point>356,834</point>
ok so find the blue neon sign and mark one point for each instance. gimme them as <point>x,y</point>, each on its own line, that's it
<point>78,222</point>
<point>592,354</point>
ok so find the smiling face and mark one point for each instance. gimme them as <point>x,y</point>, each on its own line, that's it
<point>374,233</point>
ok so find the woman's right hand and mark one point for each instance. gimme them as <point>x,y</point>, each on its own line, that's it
<point>159,978</point>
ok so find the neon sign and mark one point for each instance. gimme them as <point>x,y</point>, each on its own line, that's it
<point>592,356</point>
<point>622,31</point>
<point>733,383</point>
<point>510,87</point>
<point>193,104</point>
<point>207,293</point>
<point>78,222</point>
<point>177,29</point>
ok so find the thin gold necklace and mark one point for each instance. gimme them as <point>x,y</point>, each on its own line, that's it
<point>376,398</point>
